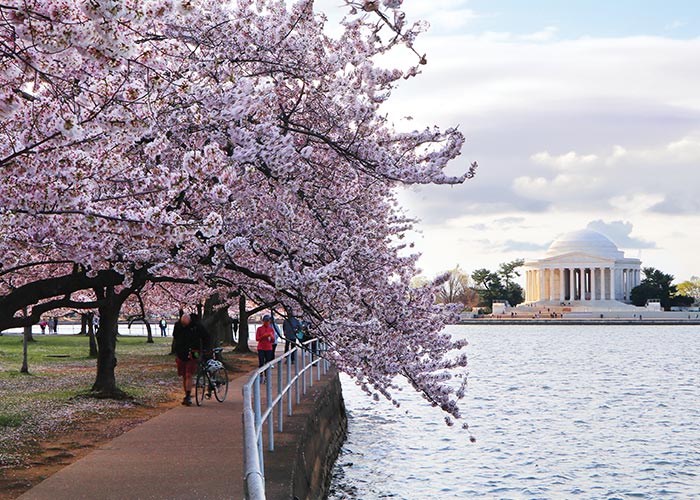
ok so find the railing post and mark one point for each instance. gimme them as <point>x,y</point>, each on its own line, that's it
<point>280,406</point>
<point>305,371</point>
<point>311,364</point>
<point>270,419</point>
<point>296,373</point>
<point>289,389</point>
<point>258,424</point>
<point>320,359</point>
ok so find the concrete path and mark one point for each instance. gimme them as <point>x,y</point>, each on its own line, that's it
<point>185,453</point>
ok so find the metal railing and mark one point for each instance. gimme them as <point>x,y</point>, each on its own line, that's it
<point>296,374</point>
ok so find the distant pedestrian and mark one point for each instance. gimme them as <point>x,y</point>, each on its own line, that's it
<point>290,326</point>
<point>55,325</point>
<point>95,323</point>
<point>163,327</point>
<point>234,323</point>
<point>265,336</point>
<point>50,325</point>
<point>43,324</point>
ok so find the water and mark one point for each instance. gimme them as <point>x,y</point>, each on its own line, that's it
<point>558,412</point>
<point>136,329</point>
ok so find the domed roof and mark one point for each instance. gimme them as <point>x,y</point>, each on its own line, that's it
<point>585,241</point>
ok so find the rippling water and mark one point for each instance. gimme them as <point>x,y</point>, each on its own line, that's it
<point>558,412</point>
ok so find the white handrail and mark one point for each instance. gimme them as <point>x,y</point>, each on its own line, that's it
<point>254,418</point>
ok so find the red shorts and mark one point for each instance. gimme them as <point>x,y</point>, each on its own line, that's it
<point>189,366</point>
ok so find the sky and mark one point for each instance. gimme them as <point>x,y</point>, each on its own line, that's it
<point>581,114</point>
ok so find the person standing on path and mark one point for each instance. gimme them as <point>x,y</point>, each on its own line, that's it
<point>55,325</point>
<point>234,323</point>
<point>190,341</point>
<point>290,326</point>
<point>265,336</point>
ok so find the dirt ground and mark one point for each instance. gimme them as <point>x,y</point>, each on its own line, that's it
<point>69,446</point>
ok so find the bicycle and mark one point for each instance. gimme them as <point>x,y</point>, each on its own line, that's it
<point>211,377</point>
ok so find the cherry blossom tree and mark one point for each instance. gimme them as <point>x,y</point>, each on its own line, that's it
<point>237,146</point>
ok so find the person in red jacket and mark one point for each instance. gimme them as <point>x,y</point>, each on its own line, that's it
<point>265,336</point>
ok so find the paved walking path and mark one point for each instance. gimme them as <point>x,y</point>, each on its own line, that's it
<point>185,453</point>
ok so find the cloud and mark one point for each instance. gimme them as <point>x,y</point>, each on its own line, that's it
<point>636,203</point>
<point>509,221</point>
<point>544,35</point>
<point>678,206</point>
<point>566,161</point>
<point>524,246</point>
<point>675,25</point>
<point>567,189</point>
<point>620,233</point>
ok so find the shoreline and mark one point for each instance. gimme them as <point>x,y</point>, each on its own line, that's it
<point>579,321</point>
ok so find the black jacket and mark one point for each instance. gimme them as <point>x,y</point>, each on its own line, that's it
<point>193,337</point>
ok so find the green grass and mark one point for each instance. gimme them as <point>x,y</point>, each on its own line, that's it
<point>11,419</point>
<point>55,393</point>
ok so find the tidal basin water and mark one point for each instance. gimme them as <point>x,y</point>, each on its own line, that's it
<point>559,412</point>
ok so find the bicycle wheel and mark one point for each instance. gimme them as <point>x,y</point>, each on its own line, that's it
<point>220,379</point>
<point>200,387</point>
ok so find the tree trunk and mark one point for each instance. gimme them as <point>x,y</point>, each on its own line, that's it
<point>91,335</point>
<point>142,319</point>
<point>85,320</point>
<point>217,322</point>
<point>149,333</point>
<point>105,382</point>
<point>242,345</point>
<point>25,341</point>
<point>28,333</point>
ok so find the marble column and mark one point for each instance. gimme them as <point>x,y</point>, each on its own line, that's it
<point>581,283</point>
<point>562,288</point>
<point>551,285</point>
<point>572,283</point>
<point>541,273</point>
<point>612,283</point>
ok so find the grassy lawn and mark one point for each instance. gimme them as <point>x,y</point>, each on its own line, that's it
<point>52,397</point>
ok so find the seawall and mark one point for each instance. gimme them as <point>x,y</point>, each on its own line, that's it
<point>301,464</point>
<point>579,321</point>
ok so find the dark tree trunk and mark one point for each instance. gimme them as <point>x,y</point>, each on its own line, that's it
<point>149,333</point>
<point>25,341</point>
<point>85,320</point>
<point>105,382</point>
<point>91,335</point>
<point>141,319</point>
<point>242,345</point>
<point>217,322</point>
<point>149,339</point>
<point>28,331</point>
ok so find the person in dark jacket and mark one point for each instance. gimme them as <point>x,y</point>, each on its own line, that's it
<point>190,342</point>
<point>290,327</point>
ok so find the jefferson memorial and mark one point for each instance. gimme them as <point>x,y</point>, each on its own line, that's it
<point>581,270</point>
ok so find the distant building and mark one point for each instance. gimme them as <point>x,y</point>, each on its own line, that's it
<point>582,268</point>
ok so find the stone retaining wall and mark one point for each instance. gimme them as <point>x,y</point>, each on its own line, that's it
<point>319,443</point>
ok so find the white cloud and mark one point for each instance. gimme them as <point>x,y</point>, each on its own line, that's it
<point>544,35</point>
<point>566,161</point>
<point>686,149</point>
<point>636,203</point>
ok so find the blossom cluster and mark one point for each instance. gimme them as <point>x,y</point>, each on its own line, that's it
<point>238,146</point>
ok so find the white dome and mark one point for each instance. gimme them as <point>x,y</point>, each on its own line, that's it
<point>587,242</point>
